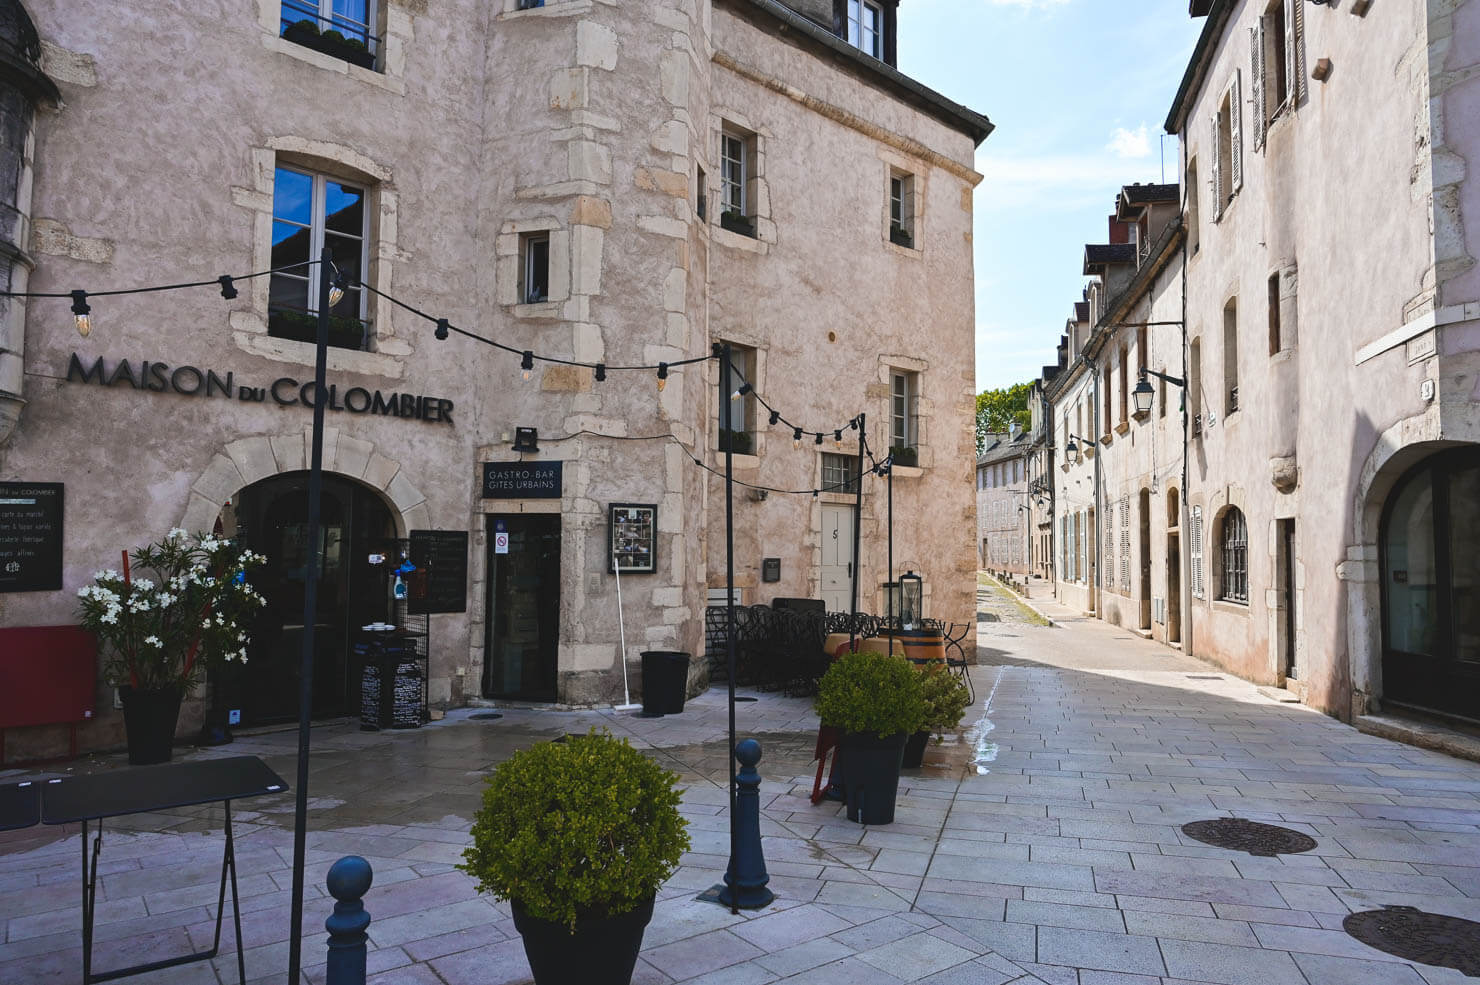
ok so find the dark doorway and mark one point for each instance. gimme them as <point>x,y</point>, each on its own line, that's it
<point>1144,508</point>
<point>1430,552</point>
<point>1174,588</point>
<point>1287,599</point>
<point>272,519</point>
<point>522,630</point>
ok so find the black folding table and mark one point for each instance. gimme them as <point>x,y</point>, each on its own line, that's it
<point>20,804</point>
<point>92,798</point>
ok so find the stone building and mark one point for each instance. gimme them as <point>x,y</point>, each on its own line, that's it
<point>606,183</point>
<point>1003,528</point>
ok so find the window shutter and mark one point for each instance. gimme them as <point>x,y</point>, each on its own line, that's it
<point>1218,197</point>
<point>1295,50</point>
<point>1256,58</point>
<point>1235,136</point>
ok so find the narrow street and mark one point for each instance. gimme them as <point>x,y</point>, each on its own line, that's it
<point>1044,846</point>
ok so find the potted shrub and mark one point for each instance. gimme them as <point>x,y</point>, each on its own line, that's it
<point>737,222</point>
<point>578,835</point>
<point>875,701</point>
<point>946,697</point>
<point>158,634</point>
<point>304,32</point>
<point>904,455</point>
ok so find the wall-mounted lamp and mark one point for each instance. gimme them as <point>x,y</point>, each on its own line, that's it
<point>1145,394</point>
<point>1071,450</point>
<point>526,439</point>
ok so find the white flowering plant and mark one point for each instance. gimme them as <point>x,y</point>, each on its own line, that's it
<point>161,631</point>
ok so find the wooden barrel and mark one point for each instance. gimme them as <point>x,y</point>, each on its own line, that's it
<point>924,644</point>
<point>836,644</point>
<point>880,644</point>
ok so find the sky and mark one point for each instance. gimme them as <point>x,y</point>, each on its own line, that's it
<point>1078,91</point>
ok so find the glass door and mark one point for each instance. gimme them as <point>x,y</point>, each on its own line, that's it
<point>522,641</point>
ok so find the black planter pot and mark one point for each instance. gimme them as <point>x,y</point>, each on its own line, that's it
<point>871,774</point>
<point>914,750</point>
<point>600,952</point>
<point>149,718</point>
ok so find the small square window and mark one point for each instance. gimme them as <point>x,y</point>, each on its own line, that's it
<point>839,473</point>
<point>534,282</point>
<point>866,27</point>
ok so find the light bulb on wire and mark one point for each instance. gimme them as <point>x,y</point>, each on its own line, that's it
<point>336,288</point>
<point>819,437</point>
<point>838,437</point>
<point>796,438</point>
<point>662,376</point>
<point>83,312</point>
<point>775,417</point>
<point>526,365</point>
<point>743,389</point>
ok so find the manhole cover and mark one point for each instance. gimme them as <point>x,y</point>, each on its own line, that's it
<point>1428,938</point>
<point>1242,835</point>
<point>485,716</point>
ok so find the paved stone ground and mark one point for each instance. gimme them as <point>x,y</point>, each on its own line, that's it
<point>1041,846</point>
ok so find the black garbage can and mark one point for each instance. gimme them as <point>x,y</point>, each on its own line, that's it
<point>665,681</point>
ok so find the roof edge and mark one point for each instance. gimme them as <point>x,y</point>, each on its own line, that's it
<point>1197,66</point>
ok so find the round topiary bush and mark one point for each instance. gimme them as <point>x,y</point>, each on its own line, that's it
<point>582,829</point>
<point>946,697</point>
<point>873,693</point>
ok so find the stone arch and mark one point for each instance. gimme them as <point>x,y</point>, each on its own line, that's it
<point>240,463</point>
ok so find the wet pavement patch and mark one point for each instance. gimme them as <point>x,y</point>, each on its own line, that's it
<point>1413,935</point>
<point>484,716</point>
<point>1254,837</point>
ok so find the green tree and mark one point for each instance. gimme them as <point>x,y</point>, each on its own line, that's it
<point>997,410</point>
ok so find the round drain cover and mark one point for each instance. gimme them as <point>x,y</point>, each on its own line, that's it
<point>1253,837</point>
<point>485,716</point>
<point>1428,938</point>
<point>744,697</point>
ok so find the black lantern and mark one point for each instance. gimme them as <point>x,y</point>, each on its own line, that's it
<point>912,599</point>
<point>892,602</point>
<point>1071,452</point>
<point>1143,395</point>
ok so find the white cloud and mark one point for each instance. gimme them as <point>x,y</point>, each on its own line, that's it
<point>1130,143</point>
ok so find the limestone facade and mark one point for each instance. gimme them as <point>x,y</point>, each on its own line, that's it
<point>594,127</point>
<point>1003,527</point>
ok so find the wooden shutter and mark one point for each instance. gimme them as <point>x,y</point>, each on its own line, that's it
<point>1295,51</point>
<point>1235,136</point>
<point>1256,60</point>
<point>1218,197</point>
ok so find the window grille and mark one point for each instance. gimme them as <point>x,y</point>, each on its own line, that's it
<point>1235,557</point>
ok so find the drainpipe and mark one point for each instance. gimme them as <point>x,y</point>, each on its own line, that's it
<point>1094,431</point>
<point>20,71</point>
<point>1185,548</point>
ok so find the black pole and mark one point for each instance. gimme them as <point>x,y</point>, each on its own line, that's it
<point>889,462</point>
<point>857,527</point>
<point>727,435</point>
<point>310,608</point>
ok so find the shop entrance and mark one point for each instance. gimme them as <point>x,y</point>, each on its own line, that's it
<point>271,517</point>
<point>522,630</point>
<point>1430,550</point>
<point>837,557</point>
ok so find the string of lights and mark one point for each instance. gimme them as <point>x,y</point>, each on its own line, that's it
<point>82,311</point>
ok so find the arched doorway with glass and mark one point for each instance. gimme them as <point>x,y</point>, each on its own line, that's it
<point>1430,561</point>
<point>271,517</point>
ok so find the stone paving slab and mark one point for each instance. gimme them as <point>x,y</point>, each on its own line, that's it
<point>1041,846</point>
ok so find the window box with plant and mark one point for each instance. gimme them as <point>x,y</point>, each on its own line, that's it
<point>330,42</point>
<point>736,222</point>
<point>578,834</point>
<point>876,702</point>
<point>900,236</point>
<point>738,442</point>
<point>904,455</point>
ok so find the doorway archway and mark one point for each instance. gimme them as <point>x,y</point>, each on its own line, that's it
<point>1429,563</point>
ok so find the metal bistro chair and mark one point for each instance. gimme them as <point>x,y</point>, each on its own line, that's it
<point>954,634</point>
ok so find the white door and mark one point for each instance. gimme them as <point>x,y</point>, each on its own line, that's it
<point>837,558</point>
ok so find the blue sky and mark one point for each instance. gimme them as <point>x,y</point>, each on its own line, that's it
<point>1078,91</point>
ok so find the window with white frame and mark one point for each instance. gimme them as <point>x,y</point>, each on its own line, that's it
<point>1276,63</point>
<point>901,208</point>
<point>741,436</point>
<point>534,267</point>
<point>839,473</point>
<point>1228,141</point>
<point>311,211</point>
<point>343,28</point>
<point>866,27</point>
<point>904,395</point>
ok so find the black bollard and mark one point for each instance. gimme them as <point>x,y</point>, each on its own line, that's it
<point>745,880</point>
<point>349,880</point>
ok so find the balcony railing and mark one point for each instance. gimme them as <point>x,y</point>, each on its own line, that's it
<point>338,36</point>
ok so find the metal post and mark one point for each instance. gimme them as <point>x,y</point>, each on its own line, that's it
<point>889,476</point>
<point>857,525</point>
<point>726,425</point>
<point>745,882</point>
<point>349,880</point>
<point>310,608</point>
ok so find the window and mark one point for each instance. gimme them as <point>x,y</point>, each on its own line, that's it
<point>1125,546</point>
<point>1274,46</point>
<point>311,211</point>
<point>1230,356</point>
<point>701,193</point>
<point>736,181</point>
<point>904,393</point>
<point>1194,386</point>
<point>1195,550</point>
<point>1109,398</point>
<point>866,27</point>
<point>1233,570</point>
<point>1228,168</point>
<point>839,473</point>
<point>534,268</point>
<point>901,208</point>
<point>740,438</point>
<point>1125,359</point>
<point>1274,313</point>
<point>341,28</point>
<point>1189,208</point>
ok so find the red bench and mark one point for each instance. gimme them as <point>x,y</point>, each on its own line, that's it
<point>48,676</point>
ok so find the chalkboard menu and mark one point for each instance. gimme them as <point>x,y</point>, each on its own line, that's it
<point>443,555</point>
<point>30,536</point>
<point>522,480</point>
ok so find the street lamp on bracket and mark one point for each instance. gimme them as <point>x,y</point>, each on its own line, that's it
<point>1145,394</point>
<point>1071,450</point>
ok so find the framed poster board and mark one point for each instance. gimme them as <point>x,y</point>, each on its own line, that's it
<point>632,538</point>
<point>30,536</point>
<point>443,555</point>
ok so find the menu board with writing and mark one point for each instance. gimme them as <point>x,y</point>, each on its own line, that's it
<point>30,536</point>
<point>443,555</point>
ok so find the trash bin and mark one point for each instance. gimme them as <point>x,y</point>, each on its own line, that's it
<point>665,681</point>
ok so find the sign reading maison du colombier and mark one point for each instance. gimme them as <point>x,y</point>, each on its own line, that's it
<point>188,381</point>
